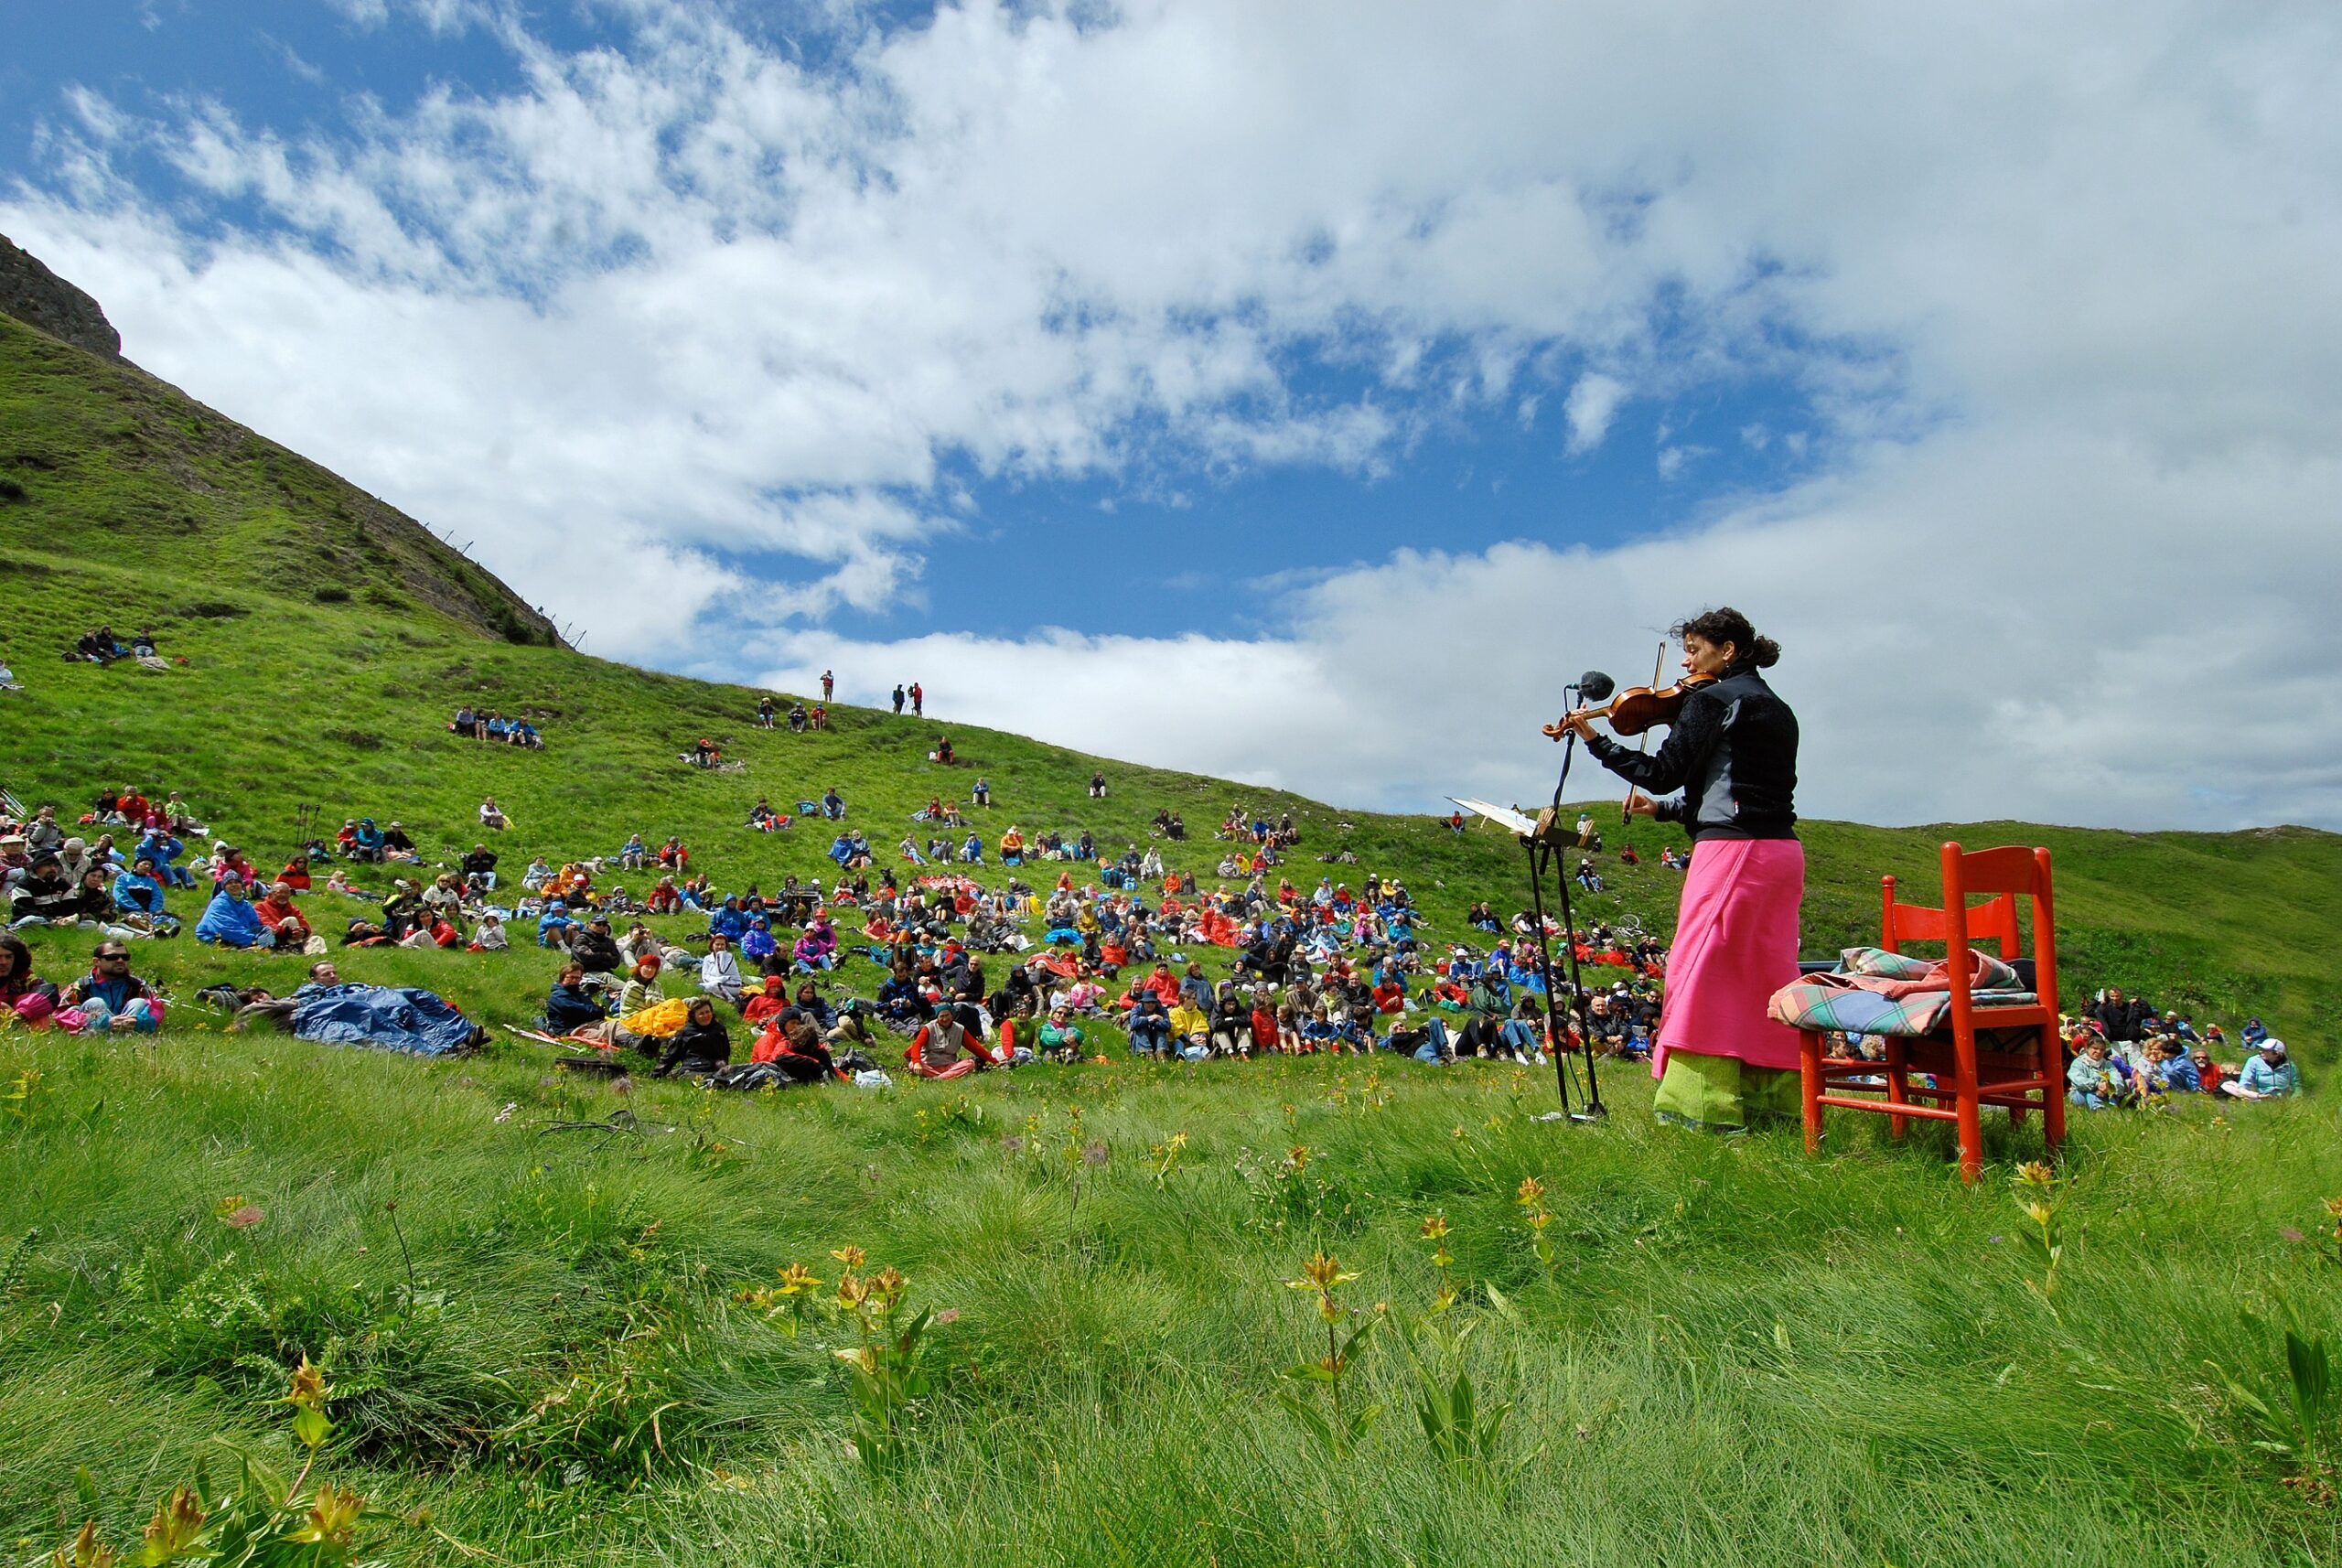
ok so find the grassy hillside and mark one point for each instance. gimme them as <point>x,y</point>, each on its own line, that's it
<point>1727,1353</point>
<point>329,641</point>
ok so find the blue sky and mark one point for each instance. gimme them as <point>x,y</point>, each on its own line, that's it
<point>1289,391</point>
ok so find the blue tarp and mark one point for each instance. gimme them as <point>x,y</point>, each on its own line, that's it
<point>382,1016</point>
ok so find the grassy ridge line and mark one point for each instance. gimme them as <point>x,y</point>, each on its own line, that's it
<point>142,506</point>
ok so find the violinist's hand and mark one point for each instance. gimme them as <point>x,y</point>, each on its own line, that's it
<point>1578,723</point>
<point>1640,805</point>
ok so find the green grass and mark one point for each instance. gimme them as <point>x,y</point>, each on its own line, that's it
<point>1741,1355</point>
<point>1744,1354</point>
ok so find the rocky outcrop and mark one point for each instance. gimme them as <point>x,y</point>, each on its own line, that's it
<point>38,297</point>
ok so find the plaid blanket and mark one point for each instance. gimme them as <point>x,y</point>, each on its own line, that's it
<point>1874,992</point>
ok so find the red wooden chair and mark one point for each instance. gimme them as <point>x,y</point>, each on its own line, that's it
<point>2009,1056</point>
<point>1900,923</point>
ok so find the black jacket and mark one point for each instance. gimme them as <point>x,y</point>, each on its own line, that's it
<point>1733,752</point>
<point>697,1048</point>
<point>567,1007</point>
<point>596,951</point>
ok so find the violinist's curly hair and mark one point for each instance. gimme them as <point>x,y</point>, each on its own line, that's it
<point>1723,624</point>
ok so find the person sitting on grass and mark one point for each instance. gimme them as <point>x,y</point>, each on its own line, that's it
<point>701,1047</point>
<point>642,988</point>
<point>478,869</point>
<point>2268,1074</point>
<point>758,949</point>
<point>368,842</point>
<point>2168,1068</point>
<point>766,1004</point>
<point>24,995</point>
<point>1150,1024</point>
<point>436,929</point>
<point>491,815</point>
<point>793,1047</point>
<point>46,896</point>
<point>817,947</point>
<point>113,998</point>
<point>489,936</point>
<point>1060,1037</point>
<point>570,1005</point>
<point>719,972</point>
<point>947,1046</point>
<point>397,845</point>
<point>164,848</point>
<point>138,901</point>
<point>277,913</point>
<point>766,708</point>
<point>227,920</point>
<point>2092,1081</point>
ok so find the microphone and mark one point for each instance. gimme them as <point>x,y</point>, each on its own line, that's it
<point>1594,686</point>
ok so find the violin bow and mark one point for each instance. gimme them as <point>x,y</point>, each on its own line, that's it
<point>1642,747</point>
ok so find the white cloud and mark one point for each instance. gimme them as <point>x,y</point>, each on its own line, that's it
<point>1592,401</point>
<point>2059,285</point>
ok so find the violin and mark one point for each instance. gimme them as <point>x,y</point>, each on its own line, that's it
<point>1637,710</point>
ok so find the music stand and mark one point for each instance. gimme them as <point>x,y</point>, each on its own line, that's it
<point>1542,840</point>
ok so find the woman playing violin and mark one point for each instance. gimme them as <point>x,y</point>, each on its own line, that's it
<point>1720,1061</point>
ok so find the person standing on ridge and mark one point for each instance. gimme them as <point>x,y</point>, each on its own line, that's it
<point>919,701</point>
<point>829,686</point>
<point>898,697</point>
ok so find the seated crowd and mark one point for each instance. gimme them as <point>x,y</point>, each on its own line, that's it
<point>488,725</point>
<point>973,976</point>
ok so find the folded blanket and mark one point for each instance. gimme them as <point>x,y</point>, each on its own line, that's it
<point>1874,992</point>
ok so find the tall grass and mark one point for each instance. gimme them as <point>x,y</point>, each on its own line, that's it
<point>1740,1355</point>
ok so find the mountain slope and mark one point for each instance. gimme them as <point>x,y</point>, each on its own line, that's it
<point>328,637</point>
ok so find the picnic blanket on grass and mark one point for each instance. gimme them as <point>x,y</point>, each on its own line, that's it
<point>385,1017</point>
<point>1874,992</point>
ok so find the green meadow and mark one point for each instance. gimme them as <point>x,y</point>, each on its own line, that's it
<point>549,1311</point>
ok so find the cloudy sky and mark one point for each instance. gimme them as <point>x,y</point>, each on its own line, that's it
<point>1301,392</point>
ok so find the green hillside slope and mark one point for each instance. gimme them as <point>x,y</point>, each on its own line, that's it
<point>329,638</point>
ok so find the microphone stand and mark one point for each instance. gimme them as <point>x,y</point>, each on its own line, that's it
<point>1542,852</point>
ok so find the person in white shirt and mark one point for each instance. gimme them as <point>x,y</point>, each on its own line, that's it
<point>719,972</point>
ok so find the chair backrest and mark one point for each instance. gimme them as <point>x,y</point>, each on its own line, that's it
<point>1899,922</point>
<point>2011,873</point>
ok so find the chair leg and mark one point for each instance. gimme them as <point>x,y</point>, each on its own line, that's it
<point>1808,1064</point>
<point>2053,1098</point>
<point>1970,1111</point>
<point>1898,1084</point>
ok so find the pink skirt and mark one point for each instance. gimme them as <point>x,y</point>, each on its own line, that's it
<point>1735,944</point>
